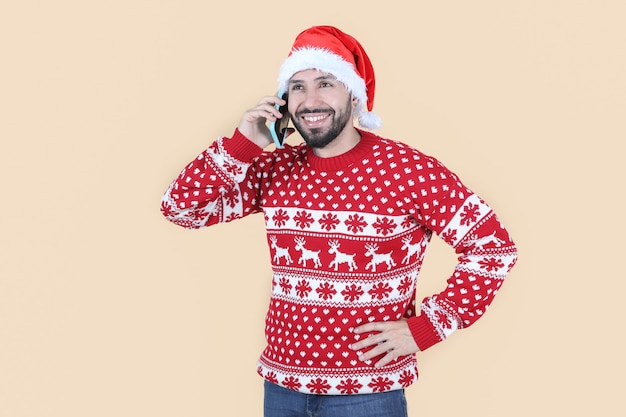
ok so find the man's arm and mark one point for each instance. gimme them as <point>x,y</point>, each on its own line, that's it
<point>218,186</point>
<point>215,187</point>
<point>487,253</point>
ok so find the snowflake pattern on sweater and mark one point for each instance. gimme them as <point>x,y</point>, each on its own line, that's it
<point>347,237</point>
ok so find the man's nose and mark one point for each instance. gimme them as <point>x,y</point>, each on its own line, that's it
<point>311,99</point>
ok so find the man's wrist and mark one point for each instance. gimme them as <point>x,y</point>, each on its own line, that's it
<point>423,332</point>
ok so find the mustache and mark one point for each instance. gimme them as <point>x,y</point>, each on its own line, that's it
<point>305,112</point>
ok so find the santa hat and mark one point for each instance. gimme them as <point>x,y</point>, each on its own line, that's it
<point>332,51</point>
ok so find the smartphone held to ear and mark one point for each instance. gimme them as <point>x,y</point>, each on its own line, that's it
<point>278,127</point>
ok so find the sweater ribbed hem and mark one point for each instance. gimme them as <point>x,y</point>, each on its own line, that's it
<point>423,332</point>
<point>241,148</point>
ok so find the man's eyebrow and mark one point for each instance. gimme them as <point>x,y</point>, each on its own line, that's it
<point>320,78</point>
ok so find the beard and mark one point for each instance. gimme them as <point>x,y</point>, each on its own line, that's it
<point>320,137</point>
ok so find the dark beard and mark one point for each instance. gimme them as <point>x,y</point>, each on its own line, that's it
<point>318,138</point>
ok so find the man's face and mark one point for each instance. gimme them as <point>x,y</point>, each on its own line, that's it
<point>320,107</point>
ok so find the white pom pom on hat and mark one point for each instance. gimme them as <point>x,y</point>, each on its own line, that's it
<point>328,49</point>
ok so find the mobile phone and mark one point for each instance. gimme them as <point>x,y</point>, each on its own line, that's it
<point>278,128</point>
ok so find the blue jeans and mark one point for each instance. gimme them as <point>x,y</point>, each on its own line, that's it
<point>282,402</point>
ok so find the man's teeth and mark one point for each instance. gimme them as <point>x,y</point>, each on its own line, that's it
<point>314,118</point>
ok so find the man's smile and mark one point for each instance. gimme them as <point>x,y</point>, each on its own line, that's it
<point>317,119</point>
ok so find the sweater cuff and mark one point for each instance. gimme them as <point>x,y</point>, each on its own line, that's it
<point>423,332</point>
<point>241,148</point>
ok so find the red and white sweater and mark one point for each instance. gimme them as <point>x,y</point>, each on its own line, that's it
<point>347,237</point>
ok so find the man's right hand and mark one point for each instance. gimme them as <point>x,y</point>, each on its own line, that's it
<point>253,122</point>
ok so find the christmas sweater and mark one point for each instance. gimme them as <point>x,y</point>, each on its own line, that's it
<point>347,236</point>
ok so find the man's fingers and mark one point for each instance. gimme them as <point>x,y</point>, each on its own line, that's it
<point>373,352</point>
<point>390,356</point>
<point>373,339</point>
<point>389,353</point>
<point>372,327</point>
<point>266,109</point>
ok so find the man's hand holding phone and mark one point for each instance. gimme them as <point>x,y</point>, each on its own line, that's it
<point>253,122</point>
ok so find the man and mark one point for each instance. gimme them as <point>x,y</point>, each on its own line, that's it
<point>348,217</point>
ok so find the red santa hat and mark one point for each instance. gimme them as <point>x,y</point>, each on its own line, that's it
<point>327,49</point>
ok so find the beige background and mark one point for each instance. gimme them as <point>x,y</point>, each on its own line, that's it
<point>108,310</point>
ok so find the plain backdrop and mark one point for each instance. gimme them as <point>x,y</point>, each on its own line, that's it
<point>106,309</point>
